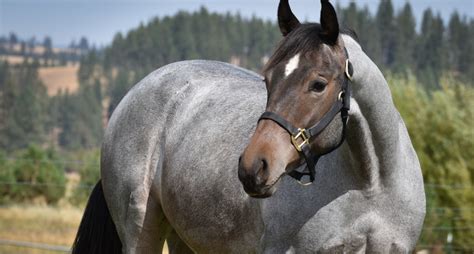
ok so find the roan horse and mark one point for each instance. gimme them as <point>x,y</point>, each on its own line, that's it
<point>170,161</point>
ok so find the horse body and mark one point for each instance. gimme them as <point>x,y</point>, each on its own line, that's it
<point>180,131</point>
<point>170,162</point>
<point>169,166</point>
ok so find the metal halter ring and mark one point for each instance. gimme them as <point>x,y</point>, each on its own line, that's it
<point>340,96</point>
<point>348,74</point>
<point>304,184</point>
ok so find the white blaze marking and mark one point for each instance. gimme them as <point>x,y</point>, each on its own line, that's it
<point>292,65</point>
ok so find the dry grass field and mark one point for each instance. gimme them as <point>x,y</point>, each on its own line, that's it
<point>38,224</point>
<point>60,78</point>
<point>39,50</point>
<point>54,78</point>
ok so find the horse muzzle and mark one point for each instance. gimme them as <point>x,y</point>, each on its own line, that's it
<point>254,178</point>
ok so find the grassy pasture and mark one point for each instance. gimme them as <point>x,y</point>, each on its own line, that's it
<point>38,224</point>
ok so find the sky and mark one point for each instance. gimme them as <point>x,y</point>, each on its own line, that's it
<point>100,20</point>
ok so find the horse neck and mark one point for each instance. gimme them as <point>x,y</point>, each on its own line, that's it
<point>373,128</point>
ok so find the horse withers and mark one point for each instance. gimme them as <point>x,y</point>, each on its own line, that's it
<point>200,153</point>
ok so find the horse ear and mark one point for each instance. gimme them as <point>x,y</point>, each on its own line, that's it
<point>329,24</point>
<point>286,19</point>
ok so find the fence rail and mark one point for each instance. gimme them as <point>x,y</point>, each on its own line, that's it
<point>33,245</point>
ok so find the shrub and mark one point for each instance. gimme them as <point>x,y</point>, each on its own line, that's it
<point>89,172</point>
<point>7,178</point>
<point>440,124</point>
<point>33,174</point>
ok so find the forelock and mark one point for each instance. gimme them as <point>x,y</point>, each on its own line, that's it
<point>303,39</point>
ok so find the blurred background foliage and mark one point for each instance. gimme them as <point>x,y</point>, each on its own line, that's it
<point>45,139</point>
<point>440,123</point>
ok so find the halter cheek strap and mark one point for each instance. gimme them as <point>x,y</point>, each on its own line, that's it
<point>300,137</point>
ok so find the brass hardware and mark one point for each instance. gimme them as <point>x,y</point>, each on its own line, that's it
<point>301,135</point>
<point>349,76</point>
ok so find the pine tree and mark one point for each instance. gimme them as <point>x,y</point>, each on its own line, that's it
<point>386,29</point>
<point>25,106</point>
<point>48,50</point>
<point>430,49</point>
<point>406,35</point>
<point>459,54</point>
<point>83,44</point>
<point>81,118</point>
<point>31,45</point>
<point>118,89</point>
<point>470,51</point>
<point>13,40</point>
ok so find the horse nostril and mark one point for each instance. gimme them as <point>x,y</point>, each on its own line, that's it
<point>261,170</point>
<point>264,165</point>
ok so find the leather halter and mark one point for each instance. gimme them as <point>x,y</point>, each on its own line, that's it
<point>300,137</point>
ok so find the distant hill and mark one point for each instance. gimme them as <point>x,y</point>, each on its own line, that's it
<point>58,67</point>
<point>60,78</point>
<point>39,50</point>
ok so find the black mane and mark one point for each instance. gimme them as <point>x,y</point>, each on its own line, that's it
<point>303,39</point>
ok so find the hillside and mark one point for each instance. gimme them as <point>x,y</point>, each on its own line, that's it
<point>58,67</point>
<point>59,78</point>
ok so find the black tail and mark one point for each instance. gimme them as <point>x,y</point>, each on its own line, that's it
<point>97,233</point>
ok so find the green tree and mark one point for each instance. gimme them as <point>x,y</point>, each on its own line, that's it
<point>470,52</point>
<point>441,131</point>
<point>7,179</point>
<point>118,89</point>
<point>459,43</point>
<point>23,49</point>
<point>81,118</point>
<point>25,106</point>
<point>406,34</point>
<point>364,24</point>
<point>430,51</point>
<point>89,172</point>
<point>31,45</point>
<point>88,64</point>
<point>386,28</point>
<point>48,50</point>
<point>13,40</point>
<point>83,44</point>
<point>36,174</point>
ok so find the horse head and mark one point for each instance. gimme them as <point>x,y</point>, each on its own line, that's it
<point>306,80</point>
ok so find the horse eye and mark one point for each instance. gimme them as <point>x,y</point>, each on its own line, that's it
<point>317,86</point>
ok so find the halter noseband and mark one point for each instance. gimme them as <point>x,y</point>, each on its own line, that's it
<point>300,137</point>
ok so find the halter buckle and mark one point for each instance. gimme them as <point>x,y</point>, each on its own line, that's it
<point>303,135</point>
<point>347,71</point>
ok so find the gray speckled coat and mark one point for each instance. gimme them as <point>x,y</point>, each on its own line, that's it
<point>170,157</point>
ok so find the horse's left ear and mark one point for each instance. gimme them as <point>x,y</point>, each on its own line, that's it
<point>329,24</point>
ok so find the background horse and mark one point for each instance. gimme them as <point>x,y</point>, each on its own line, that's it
<point>170,157</point>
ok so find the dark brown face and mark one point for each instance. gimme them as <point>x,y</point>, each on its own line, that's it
<point>302,87</point>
